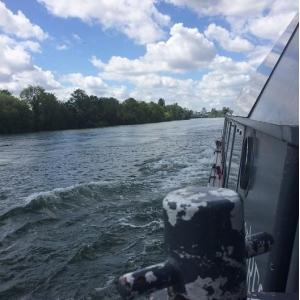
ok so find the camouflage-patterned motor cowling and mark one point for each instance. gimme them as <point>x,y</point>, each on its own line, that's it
<point>205,239</point>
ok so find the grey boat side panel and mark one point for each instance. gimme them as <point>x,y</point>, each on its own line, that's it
<point>272,190</point>
<point>293,279</point>
<point>261,197</point>
<point>285,226</point>
<point>279,101</point>
<point>251,92</point>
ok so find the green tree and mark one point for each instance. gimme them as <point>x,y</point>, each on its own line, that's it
<point>156,112</point>
<point>134,112</point>
<point>111,111</point>
<point>32,96</point>
<point>161,102</point>
<point>82,108</point>
<point>47,111</point>
<point>5,92</point>
<point>226,110</point>
<point>214,113</point>
<point>51,115</point>
<point>15,115</point>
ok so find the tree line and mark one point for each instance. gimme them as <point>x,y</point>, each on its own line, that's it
<point>38,110</point>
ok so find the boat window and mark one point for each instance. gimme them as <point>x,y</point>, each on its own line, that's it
<point>246,162</point>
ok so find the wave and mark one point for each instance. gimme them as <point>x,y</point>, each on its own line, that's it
<point>106,241</point>
<point>162,166</point>
<point>20,230</point>
<point>59,198</point>
<point>158,223</point>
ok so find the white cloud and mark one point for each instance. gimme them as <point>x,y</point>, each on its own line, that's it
<point>98,63</point>
<point>14,57</point>
<point>270,26</point>
<point>76,37</point>
<point>265,18</point>
<point>139,20</point>
<point>93,85</point>
<point>34,76</point>
<point>227,64</point>
<point>154,81</point>
<point>228,8</point>
<point>19,25</point>
<point>186,49</point>
<point>120,92</point>
<point>152,87</point>
<point>31,46</point>
<point>219,87</point>
<point>258,54</point>
<point>62,47</point>
<point>17,69</point>
<point>227,40</point>
<point>222,85</point>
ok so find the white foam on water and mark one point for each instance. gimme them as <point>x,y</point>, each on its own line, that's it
<point>142,226</point>
<point>57,191</point>
<point>106,285</point>
<point>221,192</point>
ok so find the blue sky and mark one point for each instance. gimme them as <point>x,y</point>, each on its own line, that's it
<point>186,51</point>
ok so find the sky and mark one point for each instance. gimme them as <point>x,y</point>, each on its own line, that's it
<point>198,53</point>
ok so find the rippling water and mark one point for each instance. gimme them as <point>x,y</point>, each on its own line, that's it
<point>80,207</point>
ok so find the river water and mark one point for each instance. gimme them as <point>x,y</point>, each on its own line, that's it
<point>81,207</point>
